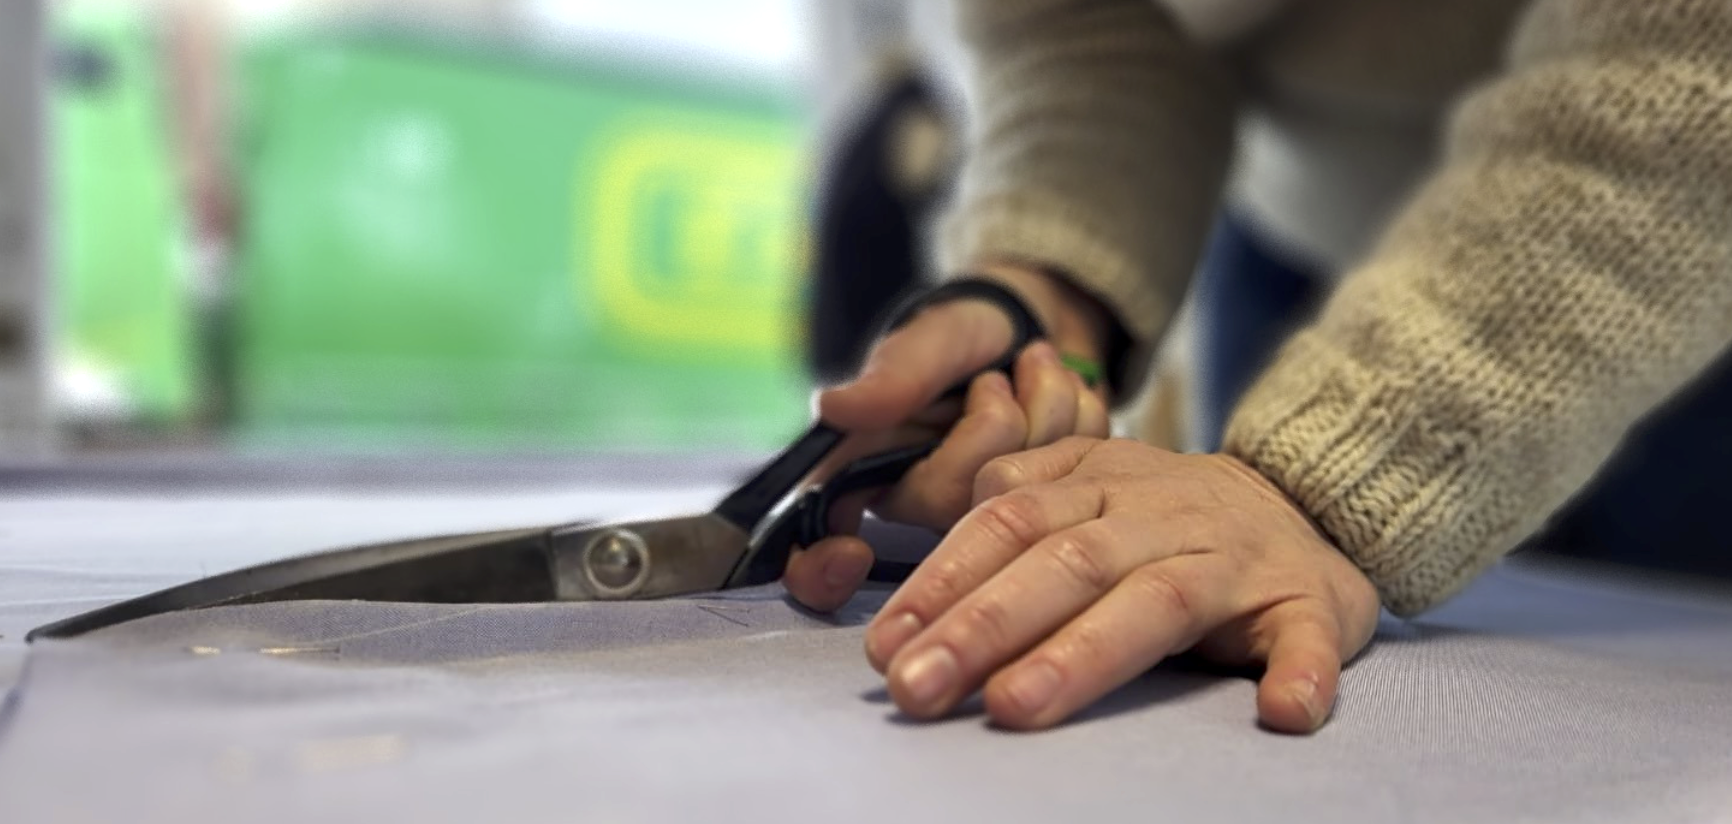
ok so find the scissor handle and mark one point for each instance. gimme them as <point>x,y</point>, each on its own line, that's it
<point>748,505</point>
<point>808,520</point>
<point>1025,328</point>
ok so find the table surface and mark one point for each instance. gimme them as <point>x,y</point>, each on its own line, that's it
<point>1545,693</point>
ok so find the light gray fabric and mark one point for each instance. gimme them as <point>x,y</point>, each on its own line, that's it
<point>1539,696</point>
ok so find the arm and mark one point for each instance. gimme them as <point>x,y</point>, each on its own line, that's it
<point>197,69</point>
<point>1102,139</point>
<point>1566,270</point>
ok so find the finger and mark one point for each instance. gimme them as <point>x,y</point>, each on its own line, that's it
<point>939,490</point>
<point>1297,692</point>
<point>1047,393</point>
<point>1092,418</point>
<point>986,540</point>
<point>871,442</point>
<point>1034,595</point>
<point>824,576</point>
<point>915,364</point>
<point>928,423</point>
<point>1035,466</point>
<point>847,512</point>
<point>1158,610</point>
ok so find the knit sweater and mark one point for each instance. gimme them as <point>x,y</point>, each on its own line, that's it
<point>1539,248</point>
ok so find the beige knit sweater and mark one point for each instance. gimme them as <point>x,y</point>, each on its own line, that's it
<point>1562,267</point>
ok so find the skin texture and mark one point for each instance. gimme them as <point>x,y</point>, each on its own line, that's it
<point>1088,561</point>
<point>1072,563</point>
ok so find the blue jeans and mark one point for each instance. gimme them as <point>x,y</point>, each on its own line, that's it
<point>1664,500</point>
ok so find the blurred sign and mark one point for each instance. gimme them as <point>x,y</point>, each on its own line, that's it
<point>687,238</point>
<point>450,245</point>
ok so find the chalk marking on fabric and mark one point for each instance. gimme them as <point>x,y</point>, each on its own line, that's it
<point>720,612</point>
<point>332,754</point>
<point>374,633</point>
<point>282,651</point>
<point>765,636</point>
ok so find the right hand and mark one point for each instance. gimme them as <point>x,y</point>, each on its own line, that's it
<point>891,404</point>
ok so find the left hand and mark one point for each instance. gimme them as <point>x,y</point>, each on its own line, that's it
<point>1086,562</point>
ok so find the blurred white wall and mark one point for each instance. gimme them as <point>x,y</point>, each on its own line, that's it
<point>24,427</point>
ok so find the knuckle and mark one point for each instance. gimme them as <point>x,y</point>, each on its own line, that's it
<point>1158,586</point>
<point>946,582</point>
<point>1054,378</point>
<point>1088,648</point>
<point>998,414</point>
<point>998,476</point>
<point>983,623</point>
<point>1083,555</point>
<point>1014,517</point>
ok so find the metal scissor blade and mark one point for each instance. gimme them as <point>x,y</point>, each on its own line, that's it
<point>575,562</point>
<point>647,559</point>
<point>505,566</point>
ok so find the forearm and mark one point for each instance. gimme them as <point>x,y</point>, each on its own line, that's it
<point>1567,269</point>
<point>1103,137</point>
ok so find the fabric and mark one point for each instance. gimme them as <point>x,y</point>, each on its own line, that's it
<point>1563,270</point>
<point>1541,695</point>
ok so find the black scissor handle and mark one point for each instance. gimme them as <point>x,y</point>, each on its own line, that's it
<point>811,515</point>
<point>748,505</point>
<point>1025,328</point>
<point>807,521</point>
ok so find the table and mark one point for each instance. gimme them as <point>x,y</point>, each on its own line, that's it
<point>1547,692</point>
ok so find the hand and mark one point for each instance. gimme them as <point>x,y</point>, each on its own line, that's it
<point>1087,562</point>
<point>890,405</point>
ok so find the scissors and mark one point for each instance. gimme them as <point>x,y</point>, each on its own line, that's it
<point>745,540</point>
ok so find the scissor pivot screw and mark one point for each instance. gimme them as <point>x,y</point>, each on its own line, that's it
<point>616,562</point>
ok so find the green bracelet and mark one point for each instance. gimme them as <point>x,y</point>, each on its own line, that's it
<point>1087,369</point>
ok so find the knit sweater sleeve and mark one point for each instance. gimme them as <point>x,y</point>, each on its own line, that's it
<point>1102,140</point>
<point>1566,270</point>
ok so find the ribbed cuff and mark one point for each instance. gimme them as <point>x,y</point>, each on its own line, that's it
<point>1356,451</point>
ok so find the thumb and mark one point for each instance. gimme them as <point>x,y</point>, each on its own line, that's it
<point>825,575</point>
<point>913,365</point>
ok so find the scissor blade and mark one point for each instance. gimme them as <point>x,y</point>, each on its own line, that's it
<point>506,566</point>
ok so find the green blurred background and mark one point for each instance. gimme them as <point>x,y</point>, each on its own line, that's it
<point>441,242</point>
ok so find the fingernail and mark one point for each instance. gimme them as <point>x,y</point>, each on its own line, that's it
<point>1305,692</point>
<point>929,674</point>
<point>883,640</point>
<point>1033,686</point>
<point>844,570</point>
